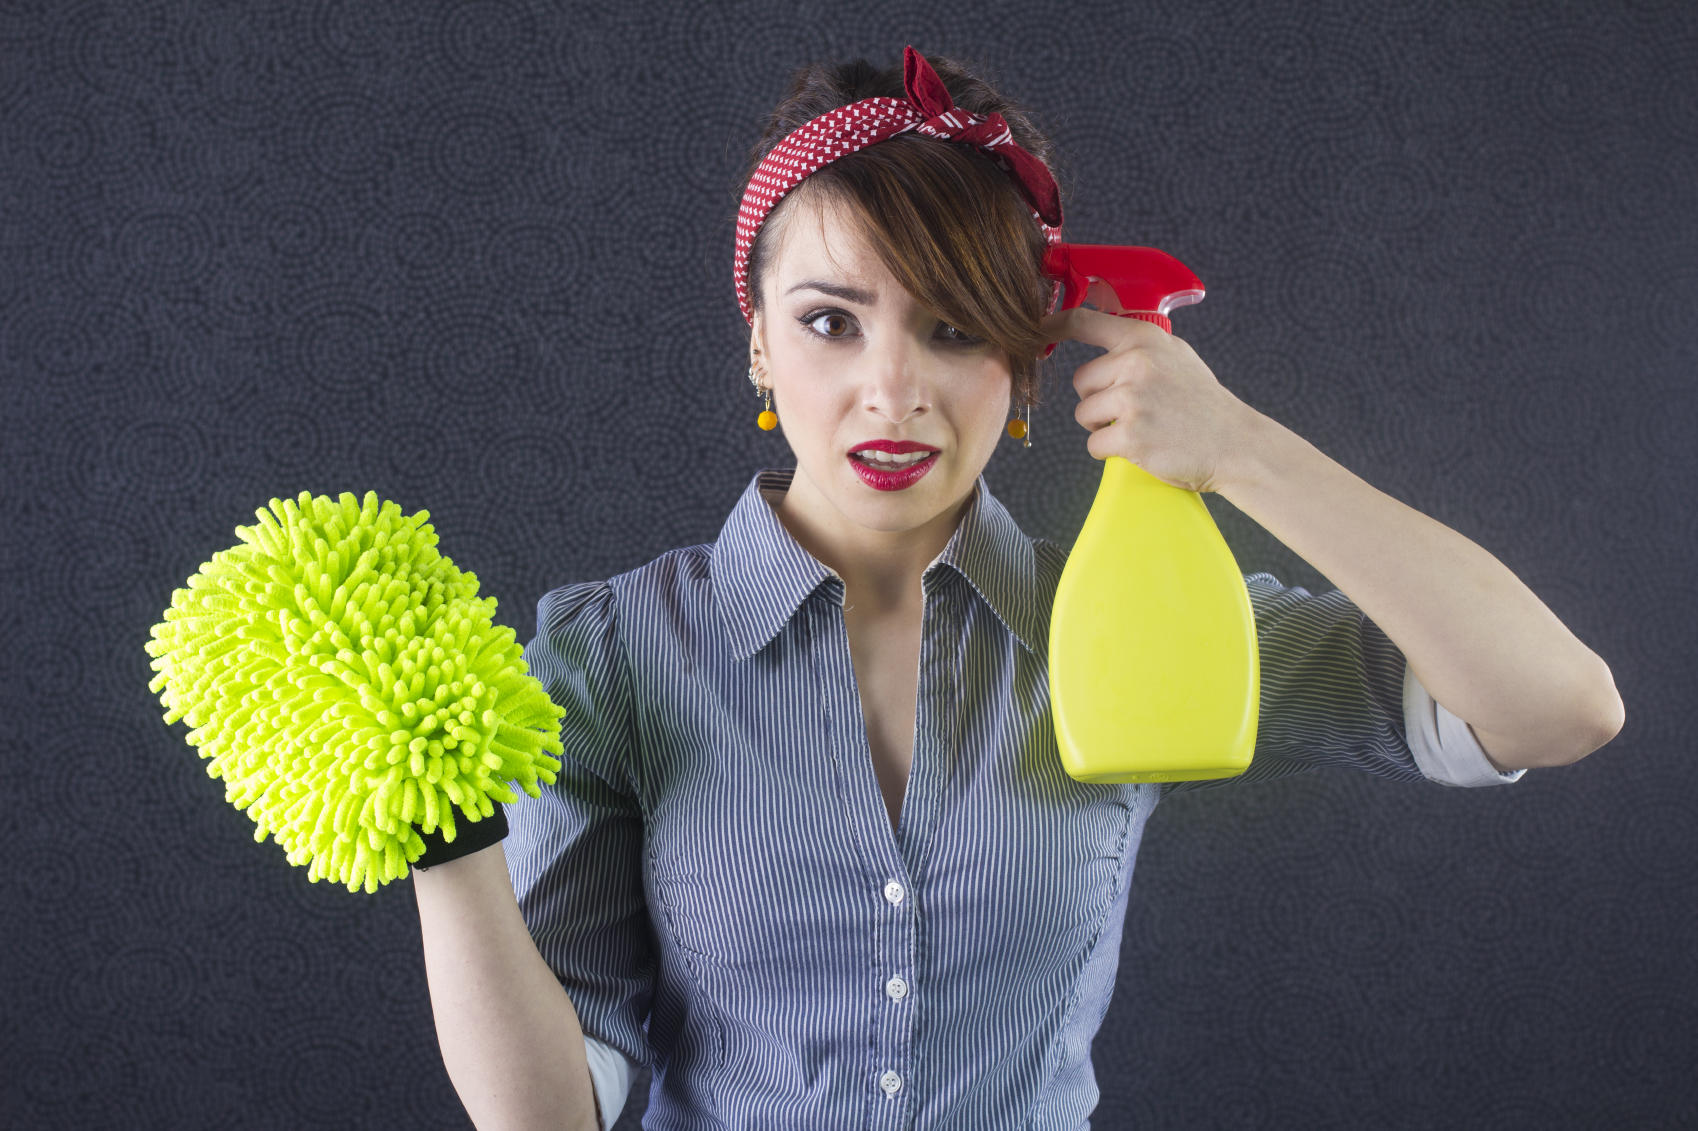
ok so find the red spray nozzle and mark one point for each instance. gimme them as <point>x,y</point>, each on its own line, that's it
<point>1146,281</point>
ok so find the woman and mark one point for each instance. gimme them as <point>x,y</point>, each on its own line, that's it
<point>812,854</point>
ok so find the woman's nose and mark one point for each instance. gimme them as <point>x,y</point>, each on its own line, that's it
<point>895,384</point>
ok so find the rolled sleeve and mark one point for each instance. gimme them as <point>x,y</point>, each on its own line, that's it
<point>1444,745</point>
<point>574,853</point>
<point>611,1071</point>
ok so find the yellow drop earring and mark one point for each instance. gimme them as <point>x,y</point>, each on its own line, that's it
<point>1021,429</point>
<point>767,420</point>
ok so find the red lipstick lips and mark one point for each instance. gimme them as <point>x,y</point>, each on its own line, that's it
<point>892,479</point>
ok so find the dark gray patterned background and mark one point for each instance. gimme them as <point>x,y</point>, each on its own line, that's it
<point>477,257</point>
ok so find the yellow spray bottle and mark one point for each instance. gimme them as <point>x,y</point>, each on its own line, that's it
<point>1153,668</point>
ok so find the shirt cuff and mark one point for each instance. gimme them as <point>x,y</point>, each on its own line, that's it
<point>1444,745</point>
<point>610,1071</point>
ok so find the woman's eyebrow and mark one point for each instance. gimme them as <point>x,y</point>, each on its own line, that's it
<point>835,290</point>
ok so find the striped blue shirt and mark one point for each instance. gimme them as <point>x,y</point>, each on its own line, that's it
<point>715,881</point>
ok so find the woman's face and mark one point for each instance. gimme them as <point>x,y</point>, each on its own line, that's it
<point>846,368</point>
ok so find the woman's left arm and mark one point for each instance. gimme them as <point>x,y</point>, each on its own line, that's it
<point>1477,639</point>
<point>1475,636</point>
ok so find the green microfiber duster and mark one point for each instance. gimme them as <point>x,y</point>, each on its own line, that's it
<point>346,681</point>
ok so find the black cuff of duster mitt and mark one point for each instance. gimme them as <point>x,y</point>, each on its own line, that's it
<point>470,836</point>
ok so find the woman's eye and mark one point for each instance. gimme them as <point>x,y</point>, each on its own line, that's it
<point>812,319</point>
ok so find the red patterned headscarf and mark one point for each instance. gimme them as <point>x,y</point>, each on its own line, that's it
<point>928,110</point>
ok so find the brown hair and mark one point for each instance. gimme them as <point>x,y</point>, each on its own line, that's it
<point>947,222</point>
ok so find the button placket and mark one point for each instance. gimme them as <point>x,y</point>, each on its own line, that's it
<point>896,987</point>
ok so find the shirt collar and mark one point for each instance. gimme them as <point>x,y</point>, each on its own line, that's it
<point>761,575</point>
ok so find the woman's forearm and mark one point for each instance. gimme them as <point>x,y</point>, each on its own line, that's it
<point>508,1032</point>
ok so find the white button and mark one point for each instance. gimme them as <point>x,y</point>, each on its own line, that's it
<point>891,1083</point>
<point>896,988</point>
<point>893,892</point>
